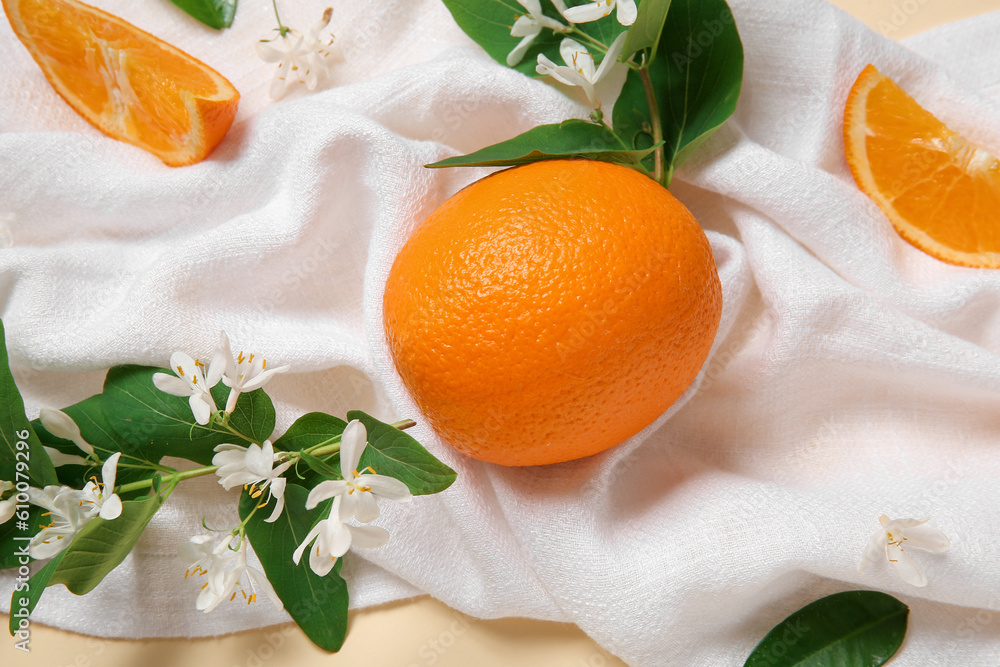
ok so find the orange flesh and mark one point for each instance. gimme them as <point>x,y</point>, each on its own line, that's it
<point>129,84</point>
<point>941,192</point>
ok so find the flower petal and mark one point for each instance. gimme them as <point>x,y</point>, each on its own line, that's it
<point>59,459</point>
<point>184,366</point>
<point>591,11</point>
<point>525,26</point>
<point>199,408</point>
<point>550,23</point>
<point>321,563</point>
<point>278,506</point>
<point>627,12</point>
<point>171,384</point>
<point>260,581</point>
<point>925,537</point>
<point>907,568</point>
<point>335,539</point>
<point>388,487</point>
<point>195,549</point>
<point>310,536</point>
<point>234,395</point>
<point>352,443</point>
<point>517,53</point>
<point>260,379</point>
<point>279,84</point>
<point>533,7</point>
<point>260,459</point>
<point>59,424</point>
<point>7,509</point>
<point>111,508</point>
<point>267,52</point>
<point>324,490</point>
<point>365,507</point>
<point>611,57</point>
<point>233,480</point>
<point>874,550</point>
<point>577,57</point>
<point>109,471</point>
<point>368,537</point>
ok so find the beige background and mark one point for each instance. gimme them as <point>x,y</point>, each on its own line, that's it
<point>419,632</point>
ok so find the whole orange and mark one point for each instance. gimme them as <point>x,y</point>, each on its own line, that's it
<point>549,311</point>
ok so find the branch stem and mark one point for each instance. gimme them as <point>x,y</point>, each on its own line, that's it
<point>327,447</point>
<point>654,114</point>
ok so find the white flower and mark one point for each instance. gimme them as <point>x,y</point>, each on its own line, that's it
<point>103,501</point>
<point>529,26</point>
<point>191,382</point>
<point>8,506</point>
<point>61,425</point>
<point>60,459</point>
<point>579,68</point>
<point>72,509</point>
<point>358,489</point>
<point>333,537</point>
<point>253,465</point>
<point>67,519</point>
<point>627,11</point>
<point>210,561</point>
<point>244,374</point>
<point>892,541</point>
<point>226,571</point>
<point>302,59</point>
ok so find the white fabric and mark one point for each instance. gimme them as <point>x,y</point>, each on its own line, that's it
<point>852,374</point>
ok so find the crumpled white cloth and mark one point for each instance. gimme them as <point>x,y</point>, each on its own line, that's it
<point>852,375</point>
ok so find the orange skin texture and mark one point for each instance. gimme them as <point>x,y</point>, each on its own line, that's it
<point>127,83</point>
<point>941,192</point>
<point>550,311</point>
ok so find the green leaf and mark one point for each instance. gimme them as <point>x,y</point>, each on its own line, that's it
<point>102,545</point>
<point>317,604</point>
<point>22,458</point>
<point>95,429</point>
<point>488,23</point>
<point>570,138</point>
<point>645,31</point>
<point>696,77</point>
<point>95,551</point>
<point>320,466</point>
<point>309,430</point>
<point>13,536</point>
<point>252,416</point>
<point>26,595</point>
<point>850,629</point>
<point>156,424</point>
<point>395,453</point>
<point>216,14</point>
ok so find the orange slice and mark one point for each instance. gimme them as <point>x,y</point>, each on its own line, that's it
<point>127,83</point>
<point>941,192</point>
